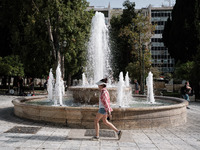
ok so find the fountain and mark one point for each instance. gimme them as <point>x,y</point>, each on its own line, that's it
<point>56,90</point>
<point>98,65</point>
<point>127,80</point>
<point>120,89</point>
<point>156,116</point>
<point>84,80</point>
<point>149,83</point>
<point>50,85</point>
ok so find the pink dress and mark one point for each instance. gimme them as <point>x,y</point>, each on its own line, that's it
<point>105,100</point>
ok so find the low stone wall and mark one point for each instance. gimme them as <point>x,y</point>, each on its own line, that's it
<point>177,87</point>
<point>123,118</point>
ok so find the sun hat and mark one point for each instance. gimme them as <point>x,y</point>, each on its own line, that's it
<point>101,83</point>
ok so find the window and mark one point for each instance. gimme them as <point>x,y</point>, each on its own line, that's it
<point>158,31</point>
<point>165,61</point>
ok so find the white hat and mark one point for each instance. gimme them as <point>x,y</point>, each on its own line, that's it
<point>101,83</point>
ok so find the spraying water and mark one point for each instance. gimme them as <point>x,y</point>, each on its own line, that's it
<point>59,89</point>
<point>50,85</point>
<point>98,65</point>
<point>84,79</point>
<point>127,80</point>
<point>56,90</point>
<point>120,90</point>
<point>150,94</point>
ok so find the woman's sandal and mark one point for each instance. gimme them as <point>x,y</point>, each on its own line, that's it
<point>119,134</point>
<point>95,137</point>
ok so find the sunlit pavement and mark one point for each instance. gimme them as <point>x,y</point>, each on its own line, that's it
<point>49,136</point>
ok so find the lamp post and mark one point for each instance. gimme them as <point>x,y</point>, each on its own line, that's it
<point>143,68</point>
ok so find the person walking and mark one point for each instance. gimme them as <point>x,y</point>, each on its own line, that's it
<point>20,84</point>
<point>31,87</point>
<point>185,91</point>
<point>104,110</point>
<point>136,87</point>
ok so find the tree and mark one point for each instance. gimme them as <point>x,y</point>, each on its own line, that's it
<point>183,70</point>
<point>129,36</point>
<point>180,33</point>
<point>156,72</point>
<point>195,73</point>
<point>25,40</point>
<point>45,33</point>
<point>165,33</point>
<point>128,13</point>
<point>138,34</point>
<point>11,66</point>
<point>182,37</point>
<point>121,50</point>
<point>68,26</point>
<point>5,16</point>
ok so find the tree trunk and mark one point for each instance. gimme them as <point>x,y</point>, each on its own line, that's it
<point>141,72</point>
<point>60,60</point>
<point>69,80</point>
<point>9,80</point>
<point>51,39</point>
<point>4,81</point>
<point>62,66</point>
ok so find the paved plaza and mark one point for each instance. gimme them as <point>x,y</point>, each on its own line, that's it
<point>48,136</point>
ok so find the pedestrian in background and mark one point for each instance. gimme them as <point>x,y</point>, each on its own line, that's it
<point>20,84</point>
<point>136,87</point>
<point>31,87</point>
<point>185,91</point>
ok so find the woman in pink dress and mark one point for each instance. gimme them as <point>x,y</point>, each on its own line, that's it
<point>104,110</point>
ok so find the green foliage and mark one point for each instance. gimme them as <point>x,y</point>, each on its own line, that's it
<point>129,32</point>
<point>156,72</point>
<point>182,31</point>
<point>79,35</point>
<point>183,71</point>
<point>46,32</point>
<point>11,66</point>
<point>121,49</point>
<point>168,76</point>
<point>166,30</point>
<point>70,26</point>
<point>182,37</point>
<point>27,37</point>
<point>195,80</point>
<point>128,13</point>
<point>134,70</point>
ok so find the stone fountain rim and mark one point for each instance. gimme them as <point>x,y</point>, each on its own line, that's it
<point>93,87</point>
<point>182,103</point>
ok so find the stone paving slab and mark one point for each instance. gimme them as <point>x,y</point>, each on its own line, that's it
<point>185,137</point>
<point>87,134</point>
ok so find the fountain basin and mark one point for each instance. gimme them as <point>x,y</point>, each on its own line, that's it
<point>90,95</point>
<point>123,118</point>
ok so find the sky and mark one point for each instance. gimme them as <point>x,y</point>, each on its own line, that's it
<point>138,3</point>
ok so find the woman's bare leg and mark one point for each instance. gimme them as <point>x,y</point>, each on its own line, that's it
<point>96,122</point>
<point>109,124</point>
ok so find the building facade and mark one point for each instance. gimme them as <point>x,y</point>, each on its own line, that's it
<point>161,58</point>
<point>107,11</point>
